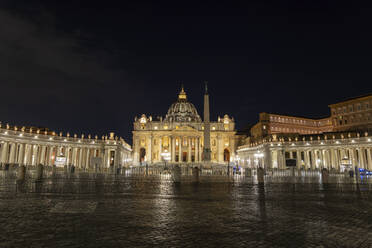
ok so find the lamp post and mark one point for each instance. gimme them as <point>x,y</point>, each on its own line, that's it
<point>166,157</point>
<point>259,156</point>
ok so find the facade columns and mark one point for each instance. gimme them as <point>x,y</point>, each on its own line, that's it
<point>197,149</point>
<point>220,151</point>
<point>160,146</point>
<point>189,149</point>
<point>173,141</point>
<point>180,150</point>
<point>149,150</point>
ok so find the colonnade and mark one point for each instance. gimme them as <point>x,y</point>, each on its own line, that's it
<point>21,148</point>
<point>331,154</point>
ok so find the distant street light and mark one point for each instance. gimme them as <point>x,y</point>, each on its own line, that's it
<point>166,156</point>
<point>259,156</point>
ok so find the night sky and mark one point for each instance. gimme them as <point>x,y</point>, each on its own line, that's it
<point>92,66</point>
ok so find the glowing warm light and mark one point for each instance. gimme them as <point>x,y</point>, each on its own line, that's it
<point>259,155</point>
<point>6,132</point>
<point>50,138</point>
<point>166,155</point>
<point>20,135</point>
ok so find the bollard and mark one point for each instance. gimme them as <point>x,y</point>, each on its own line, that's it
<point>39,172</point>
<point>260,175</point>
<point>195,174</point>
<point>248,172</point>
<point>325,175</point>
<point>54,169</point>
<point>21,173</point>
<point>177,174</point>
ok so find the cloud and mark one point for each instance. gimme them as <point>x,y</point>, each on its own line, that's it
<point>35,58</point>
<point>50,78</point>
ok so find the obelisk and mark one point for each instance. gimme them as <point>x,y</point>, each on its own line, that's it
<point>207,128</point>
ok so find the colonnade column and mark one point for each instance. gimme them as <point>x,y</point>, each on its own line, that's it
<point>369,159</point>
<point>21,154</point>
<point>87,162</point>
<point>42,155</point>
<point>307,159</point>
<point>67,154</point>
<point>337,159</point>
<point>12,153</point>
<point>298,158</point>
<point>4,152</point>
<point>81,157</point>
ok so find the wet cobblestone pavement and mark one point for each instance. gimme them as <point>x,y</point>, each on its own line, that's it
<point>160,213</point>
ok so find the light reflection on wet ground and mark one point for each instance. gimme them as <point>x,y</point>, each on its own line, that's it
<point>142,213</point>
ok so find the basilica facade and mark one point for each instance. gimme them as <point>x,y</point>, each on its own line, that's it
<point>179,136</point>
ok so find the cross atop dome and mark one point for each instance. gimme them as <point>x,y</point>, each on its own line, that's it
<point>182,94</point>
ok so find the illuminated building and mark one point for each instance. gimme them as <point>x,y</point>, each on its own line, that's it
<point>181,133</point>
<point>353,114</point>
<point>339,142</point>
<point>32,146</point>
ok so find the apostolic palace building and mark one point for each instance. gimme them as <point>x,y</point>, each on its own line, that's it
<point>338,142</point>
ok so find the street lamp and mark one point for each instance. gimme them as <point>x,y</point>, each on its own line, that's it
<point>259,156</point>
<point>166,156</point>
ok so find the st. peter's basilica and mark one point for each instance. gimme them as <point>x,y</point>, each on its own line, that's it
<point>180,135</point>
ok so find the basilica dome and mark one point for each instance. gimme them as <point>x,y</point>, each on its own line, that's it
<point>182,110</point>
